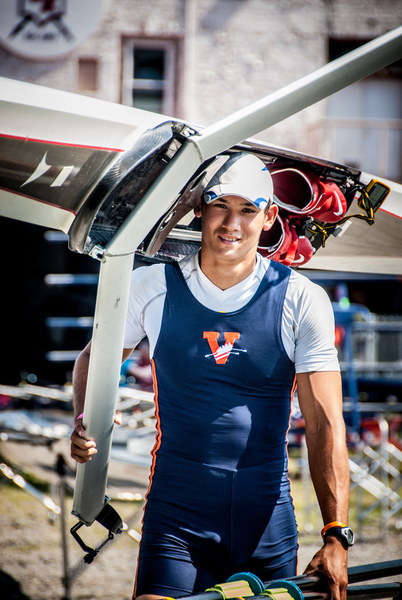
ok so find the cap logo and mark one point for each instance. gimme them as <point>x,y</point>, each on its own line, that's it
<point>210,197</point>
<point>260,202</point>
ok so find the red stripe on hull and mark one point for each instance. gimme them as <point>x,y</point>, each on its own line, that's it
<point>67,145</point>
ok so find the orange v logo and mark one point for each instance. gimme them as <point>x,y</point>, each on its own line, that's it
<point>221,353</point>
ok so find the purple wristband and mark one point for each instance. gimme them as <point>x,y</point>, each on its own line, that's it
<point>79,416</point>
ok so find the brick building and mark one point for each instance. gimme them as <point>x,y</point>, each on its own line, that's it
<point>201,60</point>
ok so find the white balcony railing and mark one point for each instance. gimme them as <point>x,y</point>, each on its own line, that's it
<point>371,145</point>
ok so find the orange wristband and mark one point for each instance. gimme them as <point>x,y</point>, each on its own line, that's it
<point>332,524</point>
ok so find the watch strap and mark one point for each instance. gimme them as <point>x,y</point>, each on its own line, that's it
<point>332,524</point>
<point>343,534</point>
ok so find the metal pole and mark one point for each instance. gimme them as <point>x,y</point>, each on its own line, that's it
<point>388,568</point>
<point>383,425</point>
<point>103,381</point>
<point>315,587</point>
<point>63,522</point>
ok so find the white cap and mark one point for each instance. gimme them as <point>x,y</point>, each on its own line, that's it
<point>243,175</point>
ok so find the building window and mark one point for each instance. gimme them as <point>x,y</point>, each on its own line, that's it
<point>149,74</point>
<point>363,127</point>
<point>87,75</point>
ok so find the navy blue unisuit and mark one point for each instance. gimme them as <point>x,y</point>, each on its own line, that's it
<point>219,497</point>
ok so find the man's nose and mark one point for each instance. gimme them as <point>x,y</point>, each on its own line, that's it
<point>232,220</point>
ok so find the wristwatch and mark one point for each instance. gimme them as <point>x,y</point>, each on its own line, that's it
<point>343,533</point>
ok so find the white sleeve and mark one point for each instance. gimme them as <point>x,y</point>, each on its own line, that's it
<point>309,319</point>
<point>147,285</point>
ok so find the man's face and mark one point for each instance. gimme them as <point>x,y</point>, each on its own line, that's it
<point>231,228</point>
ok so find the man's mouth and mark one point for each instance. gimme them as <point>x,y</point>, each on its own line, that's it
<point>229,239</point>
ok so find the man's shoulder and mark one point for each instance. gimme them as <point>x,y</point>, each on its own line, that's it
<point>298,282</point>
<point>151,278</point>
<point>304,292</point>
<point>301,280</point>
<point>147,282</point>
<point>148,272</point>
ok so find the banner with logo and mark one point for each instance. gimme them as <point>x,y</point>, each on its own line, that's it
<point>47,29</point>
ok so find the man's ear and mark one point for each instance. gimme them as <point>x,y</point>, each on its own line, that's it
<point>197,210</point>
<point>270,217</point>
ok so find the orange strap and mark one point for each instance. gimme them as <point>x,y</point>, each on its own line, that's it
<point>332,524</point>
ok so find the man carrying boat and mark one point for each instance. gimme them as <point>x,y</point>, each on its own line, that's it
<point>230,334</point>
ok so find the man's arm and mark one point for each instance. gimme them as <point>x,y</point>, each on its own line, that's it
<point>320,399</point>
<point>83,449</point>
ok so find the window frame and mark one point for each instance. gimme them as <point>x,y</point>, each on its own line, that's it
<point>168,85</point>
<point>326,136</point>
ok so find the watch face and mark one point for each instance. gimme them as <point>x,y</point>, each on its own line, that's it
<point>349,535</point>
<point>345,534</point>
